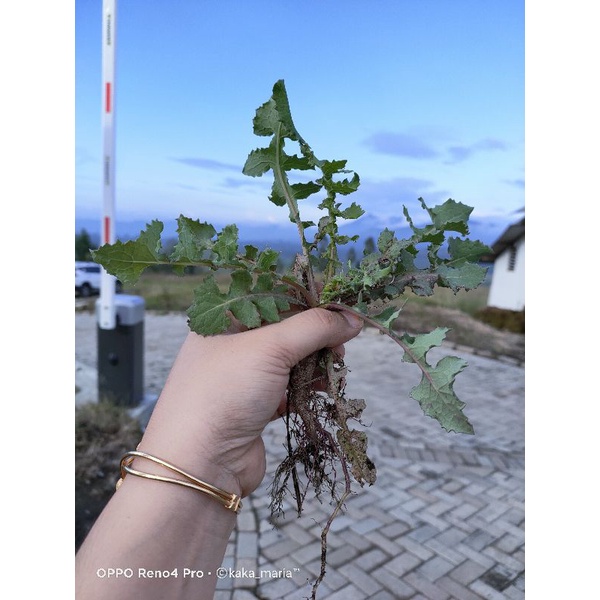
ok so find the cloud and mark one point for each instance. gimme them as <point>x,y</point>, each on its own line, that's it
<point>209,163</point>
<point>385,199</point>
<point>235,183</point>
<point>400,144</point>
<point>421,146</point>
<point>462,153</point>
<point>519,183</point>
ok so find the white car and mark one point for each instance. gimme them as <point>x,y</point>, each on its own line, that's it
<point>87,279</point>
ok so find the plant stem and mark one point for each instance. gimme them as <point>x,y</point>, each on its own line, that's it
<point>282,179</point>
<point>391,334</point>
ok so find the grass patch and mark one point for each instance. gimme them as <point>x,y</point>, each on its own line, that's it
<point>103,433</point>
<point>168,292</point>
<point>506,320</point>
<point>469,302</point>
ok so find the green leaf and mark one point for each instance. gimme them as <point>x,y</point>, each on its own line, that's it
<point>387,316</point>
<point>331,167</point>
<point>304,190</point>
<point>267,260</point>
<point>249,303</point>
<point>194,239</point>
<point>421,344</point>
<point>266,303</point>
<point>344,187</point>
<point>259,161</point>
<point>226,246</point>
<point>467,276</point>
<point>284,114</point>
<point>422,283</point>
<point>435,392</point>
<point>208,314</point>
<point>294,162</point>
<point>437,398</point>
<point>274,113</point>
<point>387,242</point>
<point>128,260</point>
<point>251,253</point>
<point>277,196</point>
<point>266,120</point>
<point>450,216</point>
<point>239,304</point>
<point>354,211</point>
<point>466,250</point>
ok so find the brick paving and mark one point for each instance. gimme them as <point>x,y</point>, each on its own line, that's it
<point>445,518</point>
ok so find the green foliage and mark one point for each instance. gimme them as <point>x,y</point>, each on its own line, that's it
<point>435,393</point>
<point>83,245</point>
<point>258,293</point>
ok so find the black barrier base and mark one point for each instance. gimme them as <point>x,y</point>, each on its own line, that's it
<point>121,364</point>
<point>121,354</point>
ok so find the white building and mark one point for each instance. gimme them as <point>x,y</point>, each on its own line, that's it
<point>507,289</point>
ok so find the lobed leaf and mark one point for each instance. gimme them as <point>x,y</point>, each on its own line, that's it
<point>450,216</point>
<point>208,314</point>
<point>461,250</point>
<point>387,316</point>
<point>249,302</point>
<point>435,393</point>
<point>128,260</point>
<point>437,398</point>
<point>259,161</point>
<point>467,276</point>
<point>226,245</point>
<point>194,239</point>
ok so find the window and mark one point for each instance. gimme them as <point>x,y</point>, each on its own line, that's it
<point>512,258</point>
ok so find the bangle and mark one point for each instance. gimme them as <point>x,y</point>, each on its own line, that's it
<point>232,502</point>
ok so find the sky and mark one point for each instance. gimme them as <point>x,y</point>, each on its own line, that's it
<point>422,98</point>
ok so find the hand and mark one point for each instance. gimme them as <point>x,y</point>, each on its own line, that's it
<point>223,390</point>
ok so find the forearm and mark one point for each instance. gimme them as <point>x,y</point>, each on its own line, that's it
<point>153,527</point>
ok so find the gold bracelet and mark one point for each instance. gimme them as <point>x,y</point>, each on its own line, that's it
<point>230,501</point>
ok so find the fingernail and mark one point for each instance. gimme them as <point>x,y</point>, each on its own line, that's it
<point>352,318</point>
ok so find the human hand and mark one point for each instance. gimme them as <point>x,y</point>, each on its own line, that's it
<point>223,390</point>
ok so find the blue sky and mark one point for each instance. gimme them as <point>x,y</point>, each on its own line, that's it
<point>423,98</point>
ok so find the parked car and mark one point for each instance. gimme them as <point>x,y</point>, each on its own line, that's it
<point>87,279</point>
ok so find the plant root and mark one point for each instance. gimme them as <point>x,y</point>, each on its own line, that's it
<point>320,443</point>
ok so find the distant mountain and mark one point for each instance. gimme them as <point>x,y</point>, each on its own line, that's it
<point>284,237</point>
<point>250,233</point>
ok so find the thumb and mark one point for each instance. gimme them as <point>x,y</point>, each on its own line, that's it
<point>311,330</point>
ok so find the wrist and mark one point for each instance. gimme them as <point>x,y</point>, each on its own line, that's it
<point>235,465</point>
<point>193,451</point>
<point>202,476</point>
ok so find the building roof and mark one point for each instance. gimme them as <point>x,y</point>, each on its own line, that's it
<point>513,233</point>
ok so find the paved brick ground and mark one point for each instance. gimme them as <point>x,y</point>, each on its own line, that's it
<point>445,519</point>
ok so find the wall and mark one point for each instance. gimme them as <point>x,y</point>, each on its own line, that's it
<point>508,286</point>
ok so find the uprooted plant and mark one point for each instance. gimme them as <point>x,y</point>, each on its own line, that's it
<point>323,450</point>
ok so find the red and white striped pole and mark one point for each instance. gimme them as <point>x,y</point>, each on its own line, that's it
<point>107,311</point>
